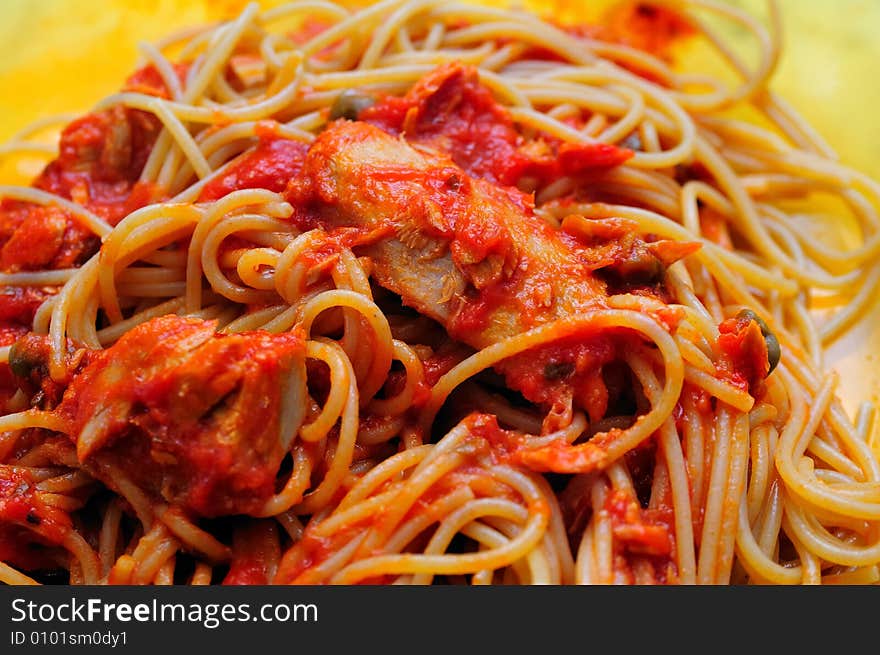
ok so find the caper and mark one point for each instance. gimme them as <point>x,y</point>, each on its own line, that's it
<point>774,350</point>
<point>752,316</point>
<point>632,142</point>
<point>349,104</point>
<point>558,370</point>
<point>22,360</point>
<point>637,267</point>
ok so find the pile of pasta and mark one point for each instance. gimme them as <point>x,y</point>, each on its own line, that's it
<point>408,468</point>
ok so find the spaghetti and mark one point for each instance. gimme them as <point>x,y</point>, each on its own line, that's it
<point>434,292</point>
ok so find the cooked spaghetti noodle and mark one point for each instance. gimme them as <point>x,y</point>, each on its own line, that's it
<point>434,293</point>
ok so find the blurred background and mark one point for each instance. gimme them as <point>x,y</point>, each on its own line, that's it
<point>63,55</point>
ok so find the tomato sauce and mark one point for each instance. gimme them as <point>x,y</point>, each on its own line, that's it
<point>255,547</point>
<point>27,524</point>
<point>485,446</point>
<point>191,415</point>
<point>100,159</point>
<point>149,81</point>
<point>450,111</point>
<point>162,412</point>
<point>641,531</point>
<point>270,165</point>
<point>742,354</point>
<point>649,27</point>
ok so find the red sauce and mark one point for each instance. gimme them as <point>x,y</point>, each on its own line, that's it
<point>311,27</point>
<point>486,445</point>
<point>649,27</point>
<point>9,333</point>
<point>255,547</point>
<point>36,241</point>
<point>166,437</point>
<point>436,366</point>
<point>328,246</point>
<point>247,571</point>
<point>504,443</point>
<point>149,81</point>
<point>309,552</point>
<point>742,353</point>
<point>101,155</point>
<point>270,165</point>
<point>640,531</point>
<point>475,234</point>
<point>27,524</point>
<point>18,305</point>
<point>100,159</point>
<point>187,413</point>
<point>521,272</point>
<point>450,111</point>
<point>561,457</point>
<point>569,367</point>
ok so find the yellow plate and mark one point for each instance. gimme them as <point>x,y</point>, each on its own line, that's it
<point>64,55</point>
